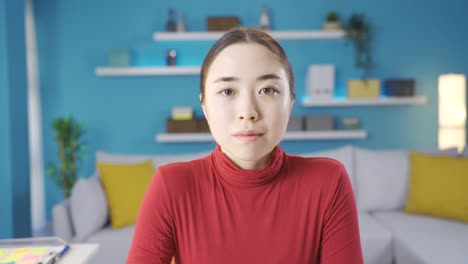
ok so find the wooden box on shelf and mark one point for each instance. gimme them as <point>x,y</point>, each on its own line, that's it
<point>202,125</point>
<point>221,23</point>
<point>182,126</point>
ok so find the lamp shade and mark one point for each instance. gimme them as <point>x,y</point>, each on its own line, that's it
<point>452,110</point>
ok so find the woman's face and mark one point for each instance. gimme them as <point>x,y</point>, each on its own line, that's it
<point>247,103</point>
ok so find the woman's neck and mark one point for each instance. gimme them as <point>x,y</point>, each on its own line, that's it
<point>255,164</point>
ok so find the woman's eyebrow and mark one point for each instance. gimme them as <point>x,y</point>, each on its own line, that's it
<point>260,78</point>
<point>226,79</point>
<point>268,76</point>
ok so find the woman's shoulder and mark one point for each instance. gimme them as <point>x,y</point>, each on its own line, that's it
<point>319,170</point>
<point>183,174</point>
<point>317,162</point>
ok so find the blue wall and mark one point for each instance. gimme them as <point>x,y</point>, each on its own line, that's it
<point>6,225</point>
<point>14,153</point>
<point>413,39</point>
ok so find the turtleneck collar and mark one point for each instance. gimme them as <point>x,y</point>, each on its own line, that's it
<point>228,171</point>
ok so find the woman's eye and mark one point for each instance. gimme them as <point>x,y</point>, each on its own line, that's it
<point>269,90</point>
<point>227,92</point>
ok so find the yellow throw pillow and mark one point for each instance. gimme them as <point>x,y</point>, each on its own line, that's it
<point>438,186</point>
<point>125,185</point>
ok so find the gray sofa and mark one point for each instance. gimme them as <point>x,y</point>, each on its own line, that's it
<point>380,181</point>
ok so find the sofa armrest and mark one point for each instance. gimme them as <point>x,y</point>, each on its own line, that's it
<point>62,222</point>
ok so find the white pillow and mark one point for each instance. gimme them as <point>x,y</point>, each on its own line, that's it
<point>382,179</point>
<point>465,152</point>
<point>344,155</point>
<point>88,207</point>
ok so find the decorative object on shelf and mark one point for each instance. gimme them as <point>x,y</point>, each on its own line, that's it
<point>358,31</point>
<point>180,23</point>
<point>264,19</point>
<point>368,88</point>
<point>332,22</point>
<point>320,81</point>
<point>171,23</point>
<point>349,123</point>
<point>319,122</point>
<point>194,125</point>
<point>202,125</point>
<point>222,23</point>
<point>119,58</point>
<point>171,57</point>
<point>182,113</point>
<point>71,150</point>
<point>296,123</point>
<point>399,87</point>
<point>182,126</point>
<point>452,111</point>
<point>183,121</point>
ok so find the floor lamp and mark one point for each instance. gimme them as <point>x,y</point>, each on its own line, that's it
<point>452,111</point>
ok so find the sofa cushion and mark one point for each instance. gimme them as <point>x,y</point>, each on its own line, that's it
<point>376,241</point>
<point>158,160</point>
<point>343,154</point>
<point>114,244</point>
<point>382,179</point>
<point>428,240</point>
<point>88,207</point>
<point>120,158</point>
<point>125,185</point>
<point>438,186</point>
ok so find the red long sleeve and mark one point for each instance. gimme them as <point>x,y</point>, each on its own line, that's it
<point>295,210</point>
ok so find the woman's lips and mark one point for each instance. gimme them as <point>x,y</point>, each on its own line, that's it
<point>248,135</point>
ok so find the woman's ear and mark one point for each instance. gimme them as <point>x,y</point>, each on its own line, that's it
<point>291,106</point>
<point>202,105</point>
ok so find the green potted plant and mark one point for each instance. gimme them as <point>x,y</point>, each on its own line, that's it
<point>358,32</point>
<point>332,21</point>
<point>71,150</point>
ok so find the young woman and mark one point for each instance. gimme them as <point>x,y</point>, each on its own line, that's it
<point>249,201</point>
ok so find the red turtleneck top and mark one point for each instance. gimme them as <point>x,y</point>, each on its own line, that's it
<point>208,211</point>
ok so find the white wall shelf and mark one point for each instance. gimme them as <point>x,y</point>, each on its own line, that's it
<point>289,136</point>
<point>413,100</point>
<point>279,35</point>
<point>142,71</point>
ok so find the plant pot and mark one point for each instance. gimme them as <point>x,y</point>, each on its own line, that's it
<point>332,25</point>
<point>369,88</point>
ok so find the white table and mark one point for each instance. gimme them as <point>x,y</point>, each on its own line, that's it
<point>79,253</point>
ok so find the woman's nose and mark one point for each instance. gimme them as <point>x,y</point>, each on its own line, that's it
<point>252,116</point>
<point>247,110</point>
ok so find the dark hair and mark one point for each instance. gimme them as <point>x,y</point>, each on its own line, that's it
<point>246,35</point>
